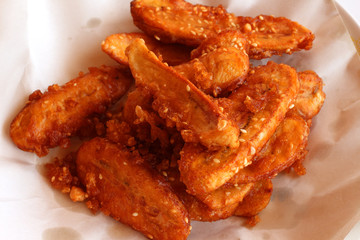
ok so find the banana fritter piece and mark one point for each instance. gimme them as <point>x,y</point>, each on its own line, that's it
<point>219,65</point>
<point>49,119</point>
<point>256,200</point>
<point>116,44</point>
<point>311,96</point>
<point>281,151</point>
<point>198,210</point>
<point>182,22</point>
<point>263,99</point>
<point>178,100</point>
<point>125,188</point>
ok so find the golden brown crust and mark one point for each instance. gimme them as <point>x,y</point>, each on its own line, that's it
<point>116,44</point>
<point>198,210</point>
<point>49,119</point>
<point>256,200</point>
<point>219,65</point>
<point>182,22</point>
<point>122,186</point>
<point>177,99</point>
<point>281,151</point>
<point>276,85</point>
<point>311,96</point>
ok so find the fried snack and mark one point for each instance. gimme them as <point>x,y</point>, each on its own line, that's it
<point>116,44</point>
<point>311,96</point>
<point>227,195</point>
<point>125,188</point>
<point>280,152</point>
<point>256,200</point>
<point>50,119</point>
<point>264,99</point>
<point>220,64</point>
<point>178,100</point>
<point>177,21</point>
<point>198,211</point>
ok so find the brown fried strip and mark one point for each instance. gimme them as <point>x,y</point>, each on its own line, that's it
<point>178,100</point>
<point>256,200</point>
<point>116,44</point>
<point>281,151</point>
<point>122,186</point>
<point>258,106</point>
<point>49,119</point>
<point>182,22</point>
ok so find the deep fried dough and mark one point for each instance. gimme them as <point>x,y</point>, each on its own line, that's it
<point>311,96</point>
<point>182,22</point>
<point>281,151</point>
<point>116,44</point>
<point>256,200</point>
<point>198,210</point>
<point>197,117</point>
<point>219,65</point>
<point>49,119</point>
<point>122,185</point>
<point>265,98</point>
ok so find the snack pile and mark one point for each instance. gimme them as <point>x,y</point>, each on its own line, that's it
<point>183,128</point>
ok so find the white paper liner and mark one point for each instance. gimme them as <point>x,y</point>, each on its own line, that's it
<point>49,42</point>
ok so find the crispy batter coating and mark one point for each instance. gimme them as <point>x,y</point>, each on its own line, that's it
<point>125,188</point>
<point>182,22</point>
<point>311,96</point>
<point>198,210</point>
<point>116,44</point>
<point>281,151</point>
<point>227,195</point>
<point>197,117</point>
<point>256,200</point>
<point>219,65</point>
<point>265,98</point>
<point>49,119</point>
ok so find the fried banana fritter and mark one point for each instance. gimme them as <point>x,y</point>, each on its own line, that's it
<point>198,210</point>
<point>116,44</point>
<point>219,65</point>
<point>311,96</point>
<point>281,151</point>
<point>264,98</point>
<point>124,187</point>
<point>256,200</point>
<point>182,22</point>
<point>178,100</point>
<point>49,119</point>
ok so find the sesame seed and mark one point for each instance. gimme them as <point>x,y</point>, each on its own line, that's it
<point>188,88</point>
<point>186,220</point>
<point>157,37</point>
<point>53,179</point>
<point>253,150</point>
<point>193,32</point>
<point>243,130</point>
<point>247,27</point>
<point>261,17</point>
<point>190,227</point>
<point>164,173</point>
<point>254,44</point>
<point>222,124</point>
<point>241,140</point>
<point>288,50</point>
<point>100,176</point>
<point>237,170</point>
<point>228,193</point>
<point>135,214</point>
<point>291,106</point>
<point>216,160</point>
<point>125,163</point>
<point>236,185</point>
